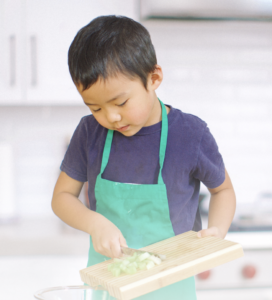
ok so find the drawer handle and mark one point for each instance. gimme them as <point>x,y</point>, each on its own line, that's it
<point>12,60</point>
<point>33,61</point>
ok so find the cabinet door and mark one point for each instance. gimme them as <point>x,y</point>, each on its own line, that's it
<point>50,28</point>
<point>12,89</point>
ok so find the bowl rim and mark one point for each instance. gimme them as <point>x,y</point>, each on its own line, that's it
<point>38,294</point>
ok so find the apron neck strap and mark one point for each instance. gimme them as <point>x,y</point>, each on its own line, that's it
<point>106,152</point>
<point>163,143</point>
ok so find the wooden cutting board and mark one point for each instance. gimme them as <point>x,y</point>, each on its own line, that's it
<point>186,255</point>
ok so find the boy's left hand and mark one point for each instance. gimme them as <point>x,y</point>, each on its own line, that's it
<point>212,231</point>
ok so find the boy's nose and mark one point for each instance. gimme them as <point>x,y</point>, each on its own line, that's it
<point>114,117</point>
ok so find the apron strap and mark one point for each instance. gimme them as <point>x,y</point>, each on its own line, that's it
<point>106,152</point>
<point>163,143</point>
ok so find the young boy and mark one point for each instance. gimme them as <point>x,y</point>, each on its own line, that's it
<point>143,160</point>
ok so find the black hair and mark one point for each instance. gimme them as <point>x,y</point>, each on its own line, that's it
<point>109,45</point>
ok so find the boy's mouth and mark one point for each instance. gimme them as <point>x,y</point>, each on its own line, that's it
<point>122,128</point>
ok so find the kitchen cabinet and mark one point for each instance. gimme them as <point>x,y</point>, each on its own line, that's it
<point>35,39</point>
<point>11,59</point>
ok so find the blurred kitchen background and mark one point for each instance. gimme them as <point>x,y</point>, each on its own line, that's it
<point>217,63</point>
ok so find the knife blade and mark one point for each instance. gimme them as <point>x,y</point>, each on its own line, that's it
<point>131,251</point>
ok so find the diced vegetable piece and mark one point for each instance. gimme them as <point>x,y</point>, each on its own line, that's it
<point>150,265</point>
<point>131,270</point>
<point>117,265</point>
<point>133,257</point>
<point>155,259</point>
<point>123,267</point>
<point>142,265</point>
<point>116,272</point>
<point>133,264</point>
<point>125,262</point>
<point>144,256</point>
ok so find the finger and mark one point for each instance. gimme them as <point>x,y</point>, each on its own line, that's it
<point>199,234</point>
<point>123,241</point>
<point>115,249</point>
<point>104,249</point>
<point>207,232</point>
<point>203,233</point>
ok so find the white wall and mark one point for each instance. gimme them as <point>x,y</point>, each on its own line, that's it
<point>39,137</point>
<point>222,72</point>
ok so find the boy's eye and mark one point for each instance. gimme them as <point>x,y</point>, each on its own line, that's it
<point>96,110</point>
<point>123,103</point>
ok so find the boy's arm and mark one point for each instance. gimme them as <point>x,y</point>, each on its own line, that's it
<point>106,237</point>
<point>221,210</point>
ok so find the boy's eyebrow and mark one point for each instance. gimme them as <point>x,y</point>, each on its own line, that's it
<point>114,98</point>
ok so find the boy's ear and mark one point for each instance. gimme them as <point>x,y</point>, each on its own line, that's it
<point>155,78</point>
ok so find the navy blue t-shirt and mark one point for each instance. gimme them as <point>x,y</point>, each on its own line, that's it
<point>191,156</point>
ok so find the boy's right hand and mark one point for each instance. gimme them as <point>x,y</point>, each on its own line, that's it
<point>107,238</point>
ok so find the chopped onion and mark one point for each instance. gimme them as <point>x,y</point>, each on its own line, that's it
<point>150,265</point>
<point>131,270</point>
<point>144,256</point>
<point>131,264</point>
<point>116,272</point>
<point>155,259</point>
<point>125,262</point>
<point>123,268</point>
<point>142,265</point>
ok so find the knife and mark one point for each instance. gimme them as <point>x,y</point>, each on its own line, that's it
<point>131,251</point>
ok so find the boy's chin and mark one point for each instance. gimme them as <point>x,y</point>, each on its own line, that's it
<point>127,133</point>
<point>130,132</point>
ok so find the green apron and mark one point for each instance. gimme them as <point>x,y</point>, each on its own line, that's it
<point>141,212</point>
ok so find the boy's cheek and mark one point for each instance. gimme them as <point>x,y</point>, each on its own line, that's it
<point>102,121</point>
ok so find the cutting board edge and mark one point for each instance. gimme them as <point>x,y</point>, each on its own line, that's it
<point>131,290</point>
<point>98,284</point>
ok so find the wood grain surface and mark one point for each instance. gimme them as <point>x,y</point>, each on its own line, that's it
<point>186,256</point>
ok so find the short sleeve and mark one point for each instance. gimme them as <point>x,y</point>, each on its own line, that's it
<point>210,169</point>
<point>74,163</point>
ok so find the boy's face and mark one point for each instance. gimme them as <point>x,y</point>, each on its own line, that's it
<point>122,104</point>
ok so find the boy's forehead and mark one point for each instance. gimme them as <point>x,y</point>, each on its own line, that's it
<point>107,88</point>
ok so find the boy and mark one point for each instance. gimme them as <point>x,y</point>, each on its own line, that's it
<point>143,160</point>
